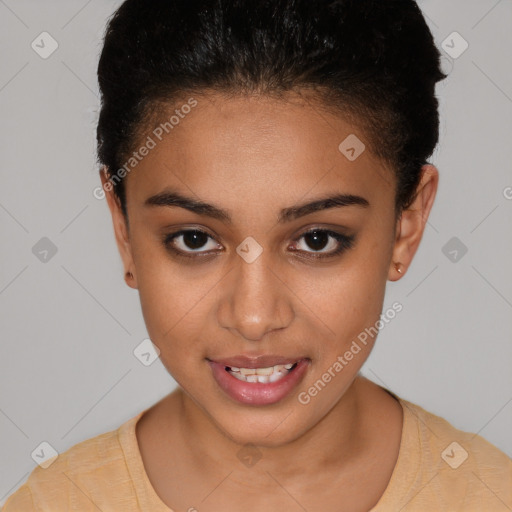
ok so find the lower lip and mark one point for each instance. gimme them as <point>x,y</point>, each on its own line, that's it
<point>258,393</point>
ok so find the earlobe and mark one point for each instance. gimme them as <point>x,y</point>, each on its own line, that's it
<point>396,271</point>
<point>412,222</point>
<point>130,279</point>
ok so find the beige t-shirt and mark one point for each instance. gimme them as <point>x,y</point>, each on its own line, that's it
<point>439,469</point>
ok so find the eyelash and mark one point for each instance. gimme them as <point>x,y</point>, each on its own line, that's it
<point>344,243</point>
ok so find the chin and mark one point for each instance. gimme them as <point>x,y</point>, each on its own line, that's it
<point>261,427</point>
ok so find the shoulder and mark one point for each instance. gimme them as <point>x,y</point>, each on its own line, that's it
<point>459,466</point>
<point>438,433</point>
<point>78,479</point>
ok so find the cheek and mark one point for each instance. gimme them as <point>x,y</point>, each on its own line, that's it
<point>350,298</point>
<point>172,306</point>
<point>352,306</point>
<point>175,301</point>
<point>174,322</point>
<point>346,304</point>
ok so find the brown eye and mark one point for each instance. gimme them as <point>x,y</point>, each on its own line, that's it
<point>320,239</point>
<point>190,241</point>
<point>317,240</point>
<point>193,243</point>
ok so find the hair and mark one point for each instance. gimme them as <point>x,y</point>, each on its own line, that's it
<point>374,61</point>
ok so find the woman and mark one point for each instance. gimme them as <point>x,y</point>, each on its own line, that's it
<point>265,165</point>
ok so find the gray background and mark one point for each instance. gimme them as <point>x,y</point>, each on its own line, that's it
<point>69,325</point>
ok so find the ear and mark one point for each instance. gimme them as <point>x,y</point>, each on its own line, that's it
<point>412,222</point>
<point>121,229</point>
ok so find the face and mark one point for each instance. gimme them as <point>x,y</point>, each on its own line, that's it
<point>261,253</point>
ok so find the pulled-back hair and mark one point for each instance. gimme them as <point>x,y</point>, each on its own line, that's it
<point>372,59</point>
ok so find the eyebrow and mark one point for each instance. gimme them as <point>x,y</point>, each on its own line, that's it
<point>170,198</point>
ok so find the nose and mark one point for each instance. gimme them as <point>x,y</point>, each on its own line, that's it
<point>255,300</point>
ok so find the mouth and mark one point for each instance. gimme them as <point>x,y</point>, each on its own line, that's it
<point>262,375</point>
<point>258,381</point>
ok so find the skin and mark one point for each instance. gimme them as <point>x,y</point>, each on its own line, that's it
<point>254,156</point>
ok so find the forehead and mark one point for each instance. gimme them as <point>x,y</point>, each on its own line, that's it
<point>258,148</point>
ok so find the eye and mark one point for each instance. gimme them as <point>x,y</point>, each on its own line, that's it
<point>188,242</point>
<point>319,239</point>
<point>193,243</point>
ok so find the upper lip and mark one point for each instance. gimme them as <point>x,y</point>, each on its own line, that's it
<point>261,361</point>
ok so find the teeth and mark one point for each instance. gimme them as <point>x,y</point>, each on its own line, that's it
<point>276,376</point>
<point>265,371</point>
<point>263,375</point>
